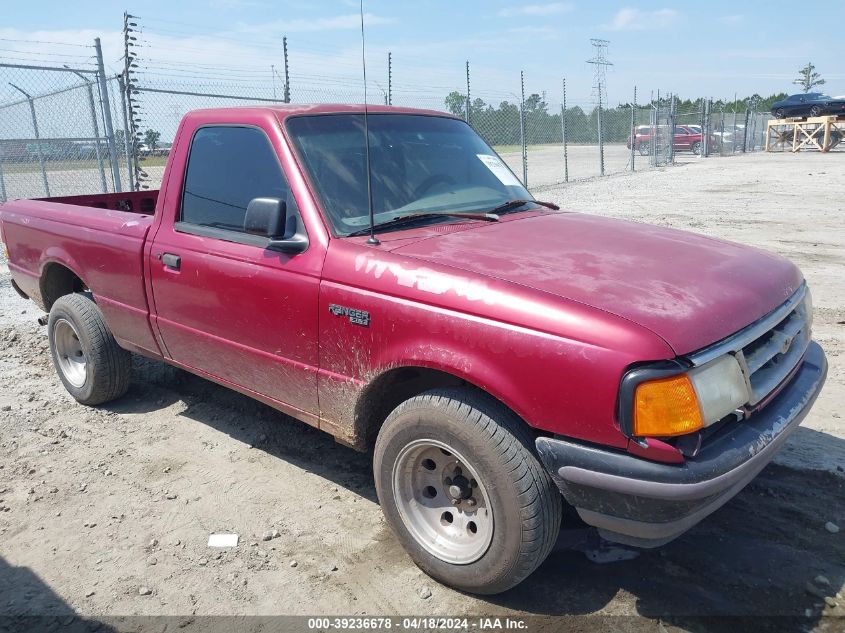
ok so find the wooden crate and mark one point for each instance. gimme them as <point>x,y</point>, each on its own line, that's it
<point>822,133</point>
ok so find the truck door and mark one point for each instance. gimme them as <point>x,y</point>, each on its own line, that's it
<point>682,138</point>
<point>223,304</point>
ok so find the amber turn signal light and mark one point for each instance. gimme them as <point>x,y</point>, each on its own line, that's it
<point>665,407</point>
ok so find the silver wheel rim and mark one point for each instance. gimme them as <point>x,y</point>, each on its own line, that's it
<point>73,363</point>
<point>442,501</point>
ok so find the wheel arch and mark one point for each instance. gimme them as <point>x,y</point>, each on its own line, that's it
<point>385,391</point>
<point>57,280</point>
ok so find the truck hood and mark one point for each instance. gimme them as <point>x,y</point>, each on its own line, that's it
<point>689,289</point>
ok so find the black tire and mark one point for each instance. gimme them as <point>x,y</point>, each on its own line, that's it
<point>696,148</point>
<point>815,111</point>
<point>526,505</point>
<point>779,113</point>
<point>107,365</point>
<point>643,149</point>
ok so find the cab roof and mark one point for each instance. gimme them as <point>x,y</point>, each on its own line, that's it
<point>283,111</point>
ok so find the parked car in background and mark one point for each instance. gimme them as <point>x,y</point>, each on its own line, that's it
<point>810,104</point>
<point>685,139</point>
<point>729,136</point>
<point>158,150</point>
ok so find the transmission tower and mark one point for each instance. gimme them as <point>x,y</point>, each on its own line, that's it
<point>600,63</point>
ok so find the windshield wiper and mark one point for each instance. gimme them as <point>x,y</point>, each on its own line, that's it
<point>421,215</point>
<point>510,205</point>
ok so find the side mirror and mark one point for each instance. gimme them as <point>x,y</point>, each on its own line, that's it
<point>269,217</point>
<point>265,217</point>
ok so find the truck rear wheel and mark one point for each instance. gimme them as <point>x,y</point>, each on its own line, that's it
<point>91,365</point>
<point>460,485</point>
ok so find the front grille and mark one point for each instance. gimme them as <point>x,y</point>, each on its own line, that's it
<point>770,358</point>
<point>769,349</point>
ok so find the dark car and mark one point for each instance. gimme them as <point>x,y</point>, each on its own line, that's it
<point>810,104</point>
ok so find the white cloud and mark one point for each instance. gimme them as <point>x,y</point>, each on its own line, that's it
<point>732,20</point>
<point>551,8</point>
<point>630,19</point>
<point>333,23</point>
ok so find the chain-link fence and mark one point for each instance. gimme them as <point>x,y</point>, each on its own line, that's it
<point>52,139</point>
<point>56,132</point>
<point>66,131</point>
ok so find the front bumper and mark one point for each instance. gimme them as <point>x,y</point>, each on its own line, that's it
<point>639,502</point>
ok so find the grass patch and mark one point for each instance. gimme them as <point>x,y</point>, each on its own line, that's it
<point>76,165</point>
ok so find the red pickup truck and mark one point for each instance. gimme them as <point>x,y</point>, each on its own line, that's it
<point>499,356</point>
<point>685,139</point>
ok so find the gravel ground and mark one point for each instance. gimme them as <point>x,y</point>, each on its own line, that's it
<point>107,511</point>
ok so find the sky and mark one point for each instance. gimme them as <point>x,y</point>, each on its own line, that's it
<point>715,49</point>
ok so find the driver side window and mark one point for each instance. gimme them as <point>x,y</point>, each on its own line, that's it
<point>227,167</point>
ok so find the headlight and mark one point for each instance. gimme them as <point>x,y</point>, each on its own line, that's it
<point>720,387</point>
<point>686,402</point>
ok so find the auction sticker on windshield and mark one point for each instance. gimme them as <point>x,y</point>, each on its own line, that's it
<point>499,170</point>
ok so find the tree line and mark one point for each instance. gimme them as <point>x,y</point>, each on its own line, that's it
<point>500,125</point>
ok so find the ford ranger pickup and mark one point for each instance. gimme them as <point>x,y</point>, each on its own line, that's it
<point>398,288</point>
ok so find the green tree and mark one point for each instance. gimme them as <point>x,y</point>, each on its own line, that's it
<point>456,103</point>
<point>151,138</point>
<point>535,103</point>
<point>808,78</point>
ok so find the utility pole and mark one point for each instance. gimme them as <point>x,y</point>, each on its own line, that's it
<point>130,62</point>
<point>389,78</point>
<point>633,128</point>
<point>600,63</point>
<point>104,95</point>
<point>93,109</point>
<point>468,98</point>
<point>287,73</point>
<point>672,128</point>
<point>563,134</point>
<point>733,129</point>
<point>655,129</point>
<point>522,129</point>
<point>127,144</point>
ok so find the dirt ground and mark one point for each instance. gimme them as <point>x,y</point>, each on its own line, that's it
<point>107,511</point>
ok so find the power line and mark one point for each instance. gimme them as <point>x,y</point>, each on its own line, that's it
<point>40,54</point>
<point>600,62</point>
<point>8,39</point>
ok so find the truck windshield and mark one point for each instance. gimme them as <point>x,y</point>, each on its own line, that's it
<point>419,164</point>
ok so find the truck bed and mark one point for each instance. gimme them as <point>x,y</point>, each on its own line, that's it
<point>91,241</point>
<point>143,202</point>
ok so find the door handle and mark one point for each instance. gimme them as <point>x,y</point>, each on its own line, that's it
<point>171,261</point>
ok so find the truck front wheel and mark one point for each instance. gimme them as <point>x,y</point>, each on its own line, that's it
<point>459,484</point>
<point>91,365</point>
